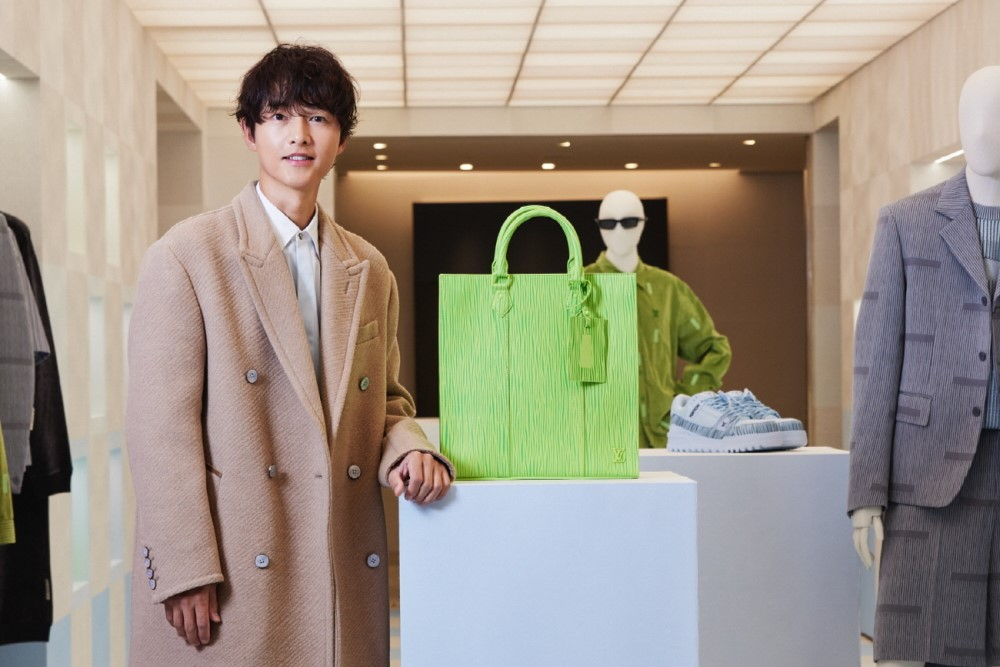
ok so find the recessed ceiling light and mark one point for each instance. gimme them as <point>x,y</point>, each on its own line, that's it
<point>565,144</point>
<point>465,166</point>
<point>380,146</point>
<point>548,166</point>
<point>749,142</point>
<point>631,165</point>
<point>713,165</point>
<point>949,156</point>
<point>381,157</point>
<point>382,167</point>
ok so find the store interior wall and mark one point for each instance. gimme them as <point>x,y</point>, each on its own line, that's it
<point>79,167</point>
<point>92,101</point>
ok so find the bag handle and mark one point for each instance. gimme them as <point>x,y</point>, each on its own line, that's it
<point>574,266</point>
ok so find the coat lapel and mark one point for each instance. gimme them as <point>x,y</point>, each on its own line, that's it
<point>343,279</point>
<point>962,234</point>
<point>270,286</point>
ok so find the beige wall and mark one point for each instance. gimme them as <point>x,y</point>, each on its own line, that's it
<point>96,71</point>
<point>894,116</point>
<point>737,239</point>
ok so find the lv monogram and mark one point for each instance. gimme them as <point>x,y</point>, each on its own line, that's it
<point>619,454</point>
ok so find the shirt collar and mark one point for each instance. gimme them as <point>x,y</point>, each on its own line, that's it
<point>604,265</point>
<point>284,229</point>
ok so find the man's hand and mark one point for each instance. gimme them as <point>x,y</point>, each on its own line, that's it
<point>190,612</point>
<point>422,477</point>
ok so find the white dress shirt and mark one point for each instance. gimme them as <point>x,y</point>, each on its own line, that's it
<point>301,250</point>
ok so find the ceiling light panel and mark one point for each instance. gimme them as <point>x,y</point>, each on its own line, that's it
<point>607,13</point>
<point>656,71</point>
<point>365,16</point>
<point>770,30</point>
<point>854,29</point>
<point>879,2</point>
<point>428,33</point>
<point>743,12</point>
<point>201,17</point>
<point>606,3</point>
<point>197,62</point>
<point>184,5</point>
<point>330,4</point>
<point>879,11</point>
<point>430,60</point>
<point>818,57</point>
<point>368,33</point>
<point>699,58</point>
<point>598,32</point>
<point>462,47</point>
<point>554,100</point>
<point>846,42</point>
<point>756,44</point>
<point>470,15</point>
<point>770,82</point>
<point>459,72</point>
<point>589,45</point>
<point>230,75</point>
<point>838,70</point>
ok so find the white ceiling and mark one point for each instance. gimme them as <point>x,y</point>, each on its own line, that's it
<point>495,53</point>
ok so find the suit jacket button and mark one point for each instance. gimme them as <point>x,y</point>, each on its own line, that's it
<point>145,552</point>
<point>985,301</point>
<point>354,472</point>
<point>149,573</point>
<point>152,584</point>
<point>976,412</point>
<point>373,560</point>
<point>272,471</point>
<point>982,356</point>
<point>364,384</point>
<point>262,561</point>
<point>146,562</point>
<point>251,376</point>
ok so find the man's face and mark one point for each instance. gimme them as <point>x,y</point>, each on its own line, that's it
<point>296,149</point>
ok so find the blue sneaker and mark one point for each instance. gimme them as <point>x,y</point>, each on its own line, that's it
<point>716,422</point>
<point>793,432</point>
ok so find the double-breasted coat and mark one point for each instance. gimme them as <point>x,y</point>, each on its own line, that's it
<point>248,471</point>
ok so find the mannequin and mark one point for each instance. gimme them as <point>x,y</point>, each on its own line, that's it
<point>979,129</point>
<point>673,323</point>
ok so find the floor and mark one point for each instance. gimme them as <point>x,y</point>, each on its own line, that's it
<point>394,659</point>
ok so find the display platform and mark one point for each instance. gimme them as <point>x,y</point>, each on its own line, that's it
<point>779,580</point>
<point>542,573</point>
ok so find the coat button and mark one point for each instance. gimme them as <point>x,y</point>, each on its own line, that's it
<point>373,560</point>
<point>149,573</point>
<point>982,356</point>
<point>364,383</point>
<point>354,472</point>
<point>976,412</point>
<point>272,471</point>
<point>985,301</point>
<point>251,376</point>
<point>152,584</point>
<point>262,561</point>
<point>147,562</point>
<point>145,552</point>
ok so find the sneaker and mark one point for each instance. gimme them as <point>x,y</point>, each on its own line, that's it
<point>716,422</point>
<point>793,432</point>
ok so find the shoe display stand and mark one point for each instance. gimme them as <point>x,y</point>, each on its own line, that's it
<point>561,572</point>
<point>779,581</point>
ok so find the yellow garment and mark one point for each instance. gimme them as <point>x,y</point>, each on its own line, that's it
<point>672,323</point>
<point>6,500</point>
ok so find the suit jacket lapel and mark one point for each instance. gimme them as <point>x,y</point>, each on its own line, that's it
<point>343,278</point>
<point>961,234</point>
<point>270,286</point>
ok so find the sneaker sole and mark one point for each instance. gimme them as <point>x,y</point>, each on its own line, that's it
<point>680,440</point>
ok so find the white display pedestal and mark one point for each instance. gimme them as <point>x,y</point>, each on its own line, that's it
<point>778,576</point>
<point>542,573</point>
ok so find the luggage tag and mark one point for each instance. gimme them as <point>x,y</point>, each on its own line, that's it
<point>588,348</point>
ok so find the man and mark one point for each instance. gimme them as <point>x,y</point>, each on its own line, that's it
<point>264,407</point>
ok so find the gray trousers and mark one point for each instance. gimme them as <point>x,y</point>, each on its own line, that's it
<point>938,596</point>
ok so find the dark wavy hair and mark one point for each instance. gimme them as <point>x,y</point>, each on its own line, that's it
<point>294,76</point>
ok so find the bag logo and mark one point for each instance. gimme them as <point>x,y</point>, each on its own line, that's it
<point>619,454</point>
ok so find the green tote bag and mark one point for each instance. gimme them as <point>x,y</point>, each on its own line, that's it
<point>539,373</point>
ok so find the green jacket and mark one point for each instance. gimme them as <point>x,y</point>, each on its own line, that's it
<point>6,500</point>
<point>672,323</point>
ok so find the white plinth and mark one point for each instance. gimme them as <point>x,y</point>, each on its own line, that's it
<point>538,573</point>
<point>778,576</point>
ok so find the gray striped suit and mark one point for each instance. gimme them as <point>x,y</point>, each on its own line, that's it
<point>925,342</point>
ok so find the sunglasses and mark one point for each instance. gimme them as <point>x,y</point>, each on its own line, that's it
<point>610,223</point>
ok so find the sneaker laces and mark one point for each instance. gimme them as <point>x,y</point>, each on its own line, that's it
<point>752,406</point>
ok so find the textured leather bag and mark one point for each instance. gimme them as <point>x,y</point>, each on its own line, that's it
<point>539,373</point>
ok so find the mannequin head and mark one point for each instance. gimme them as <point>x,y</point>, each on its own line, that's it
<point>622,243</point>
<point>979,129</point>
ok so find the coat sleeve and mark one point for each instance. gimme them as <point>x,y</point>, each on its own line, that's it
<point>878,360</point>
<point>706,350</point>
<point>163,427</point>
<point>402,434</point>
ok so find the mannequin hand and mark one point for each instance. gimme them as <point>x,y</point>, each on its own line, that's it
<point>862,519</point>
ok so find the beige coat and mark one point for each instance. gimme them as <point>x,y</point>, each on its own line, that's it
<point>245,472</point>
